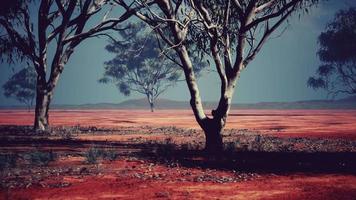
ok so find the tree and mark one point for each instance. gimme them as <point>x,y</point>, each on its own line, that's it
<point>26,36</point>
<point>138,65</point>
<point>337,53</point>
<point>221,30</point>
<point>22,86</point>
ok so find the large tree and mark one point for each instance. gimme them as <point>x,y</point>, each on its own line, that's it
<point>30,29</point>
<point>231,32</point>
<point>22,86</point>
<point>138,65</point>
<point>337,53</point>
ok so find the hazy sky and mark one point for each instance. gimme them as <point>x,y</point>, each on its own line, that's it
<point>279,72</point>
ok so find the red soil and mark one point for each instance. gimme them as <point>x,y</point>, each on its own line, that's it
<point>288,123</point>
<point>280,187</point>
<point>117,179</point>
<point>112,184</point>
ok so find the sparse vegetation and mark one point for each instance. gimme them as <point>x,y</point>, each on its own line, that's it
<point>110,154</point>
<point>167,148</point>
<point>41,158</point>
<point>94,154</point>
<point>177,157</point>
<point>7,161</point>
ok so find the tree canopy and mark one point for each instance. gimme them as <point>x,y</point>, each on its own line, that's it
<point>230,32</point>
<point>22,86</point>
<point>337,53</point>
<point>140,65</point>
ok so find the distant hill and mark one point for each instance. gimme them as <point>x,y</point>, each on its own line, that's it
<point>345,103</point>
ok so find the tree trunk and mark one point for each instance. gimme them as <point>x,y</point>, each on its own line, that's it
<point>214,127</point>
<point>152,106</point>
<point>213,139</point>
<point>29,107</point>
<point>43,100</point>
<point>150,100</point>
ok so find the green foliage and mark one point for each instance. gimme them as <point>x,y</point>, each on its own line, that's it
<point>92,155</point>
<point>337,73</point>
<point>42,158</point>
<point>11,8</point>
<point>22,86</point>
<point>139,64</point>
<point>13,12</point>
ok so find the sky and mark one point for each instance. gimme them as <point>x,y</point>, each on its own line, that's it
<point>278,74</point>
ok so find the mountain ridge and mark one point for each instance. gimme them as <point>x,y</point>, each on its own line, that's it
<point>344,103</point>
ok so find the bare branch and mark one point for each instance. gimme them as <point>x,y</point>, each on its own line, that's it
<point>278,13</point>
<point>266,35</point>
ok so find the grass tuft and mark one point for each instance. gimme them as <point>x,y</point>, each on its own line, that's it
<point>94,154</point>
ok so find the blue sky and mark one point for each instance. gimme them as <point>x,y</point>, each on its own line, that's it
<point>279,72</point>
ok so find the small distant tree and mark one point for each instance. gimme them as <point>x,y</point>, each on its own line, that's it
<point>337,53</point>
<point>22,86</point>
<point>139,65</point>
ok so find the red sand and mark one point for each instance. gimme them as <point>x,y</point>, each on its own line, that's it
<point>290,123</point>
<point>279,188</point>
<point>111,185</point>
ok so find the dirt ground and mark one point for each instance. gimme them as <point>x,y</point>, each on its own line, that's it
<point>288,123</point>
<point>268,155</point>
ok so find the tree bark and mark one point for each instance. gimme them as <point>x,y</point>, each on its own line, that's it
<point>29,108</point>
<point>213,140</point>
<point>150,100</point>
<point>43,100</point>
<point>214,127</point>
<point>152,106</point>
<point>44,95</point>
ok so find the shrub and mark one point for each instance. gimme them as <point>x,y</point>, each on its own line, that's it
<point>92,155</point>
<point>42,158</point>
<point>109,154</point>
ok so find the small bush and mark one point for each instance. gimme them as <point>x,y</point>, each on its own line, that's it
<point>109,154</point>
<point>92,155</point>
<point>8,161</point>
<point>42,158</point>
